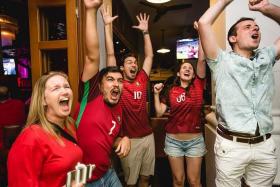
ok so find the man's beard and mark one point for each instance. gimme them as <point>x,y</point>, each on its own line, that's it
<point>110,104</point>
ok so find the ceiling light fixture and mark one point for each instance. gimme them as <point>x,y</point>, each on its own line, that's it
<point>163,48</point>
<point>9,26</point>
<point>158,1</point>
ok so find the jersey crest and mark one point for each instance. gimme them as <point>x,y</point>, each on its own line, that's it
<point>119,118</point>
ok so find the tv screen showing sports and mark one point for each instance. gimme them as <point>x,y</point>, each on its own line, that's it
<point>187,48</point>
<point>9,66</point>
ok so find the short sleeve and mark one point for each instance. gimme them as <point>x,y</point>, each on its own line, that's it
<point>213,63</point>
<point>89,89</point>
<point>200,81</point>
<point>271,51</point>
<point>87,92</point>
<point>142,76</point>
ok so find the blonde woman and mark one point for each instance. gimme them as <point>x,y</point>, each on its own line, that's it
<point>46,149</point>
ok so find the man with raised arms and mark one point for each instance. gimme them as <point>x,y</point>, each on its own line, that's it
<point>100,117</point>
<point>244,89</point>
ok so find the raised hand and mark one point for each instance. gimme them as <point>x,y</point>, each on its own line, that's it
<point>93,3</point>
<point>143,20</point>
<point>158,87</point>
<point>257,5</point>
<point>107,17</point>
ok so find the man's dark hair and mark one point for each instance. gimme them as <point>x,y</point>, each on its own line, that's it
<point>4,92</point>
<point>130,54</point>
<point>109,69</point>
<point>232,30</point>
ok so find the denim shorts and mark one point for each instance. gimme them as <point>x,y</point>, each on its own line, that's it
<point>189,148</point>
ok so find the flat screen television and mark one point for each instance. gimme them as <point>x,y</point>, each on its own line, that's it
<point>9,66</point>
<point>187,48</point>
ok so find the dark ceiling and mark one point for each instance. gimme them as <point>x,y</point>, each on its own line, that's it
<point>177,24</point>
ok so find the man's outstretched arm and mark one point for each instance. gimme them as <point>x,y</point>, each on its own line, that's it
<point>108,20</point>
<point>201,64</point>
<point>143,26</point>
<point>92,57</point>
<point>208,40</point>
<point>266,8</point>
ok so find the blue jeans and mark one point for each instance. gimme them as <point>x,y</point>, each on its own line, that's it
<point>110,179</point>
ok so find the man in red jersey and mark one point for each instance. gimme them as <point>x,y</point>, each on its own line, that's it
<point>139,164</point>
<point>12,111</point>
<point>99,116</point>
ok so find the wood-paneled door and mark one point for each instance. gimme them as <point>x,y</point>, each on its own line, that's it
<point>54,39</point>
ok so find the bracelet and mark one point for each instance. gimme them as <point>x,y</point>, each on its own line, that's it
<point>145,32</point>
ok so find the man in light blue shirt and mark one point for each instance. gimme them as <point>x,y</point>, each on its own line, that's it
<point>244,90</point>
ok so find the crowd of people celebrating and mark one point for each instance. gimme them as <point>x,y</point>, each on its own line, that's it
<point>112,117</point>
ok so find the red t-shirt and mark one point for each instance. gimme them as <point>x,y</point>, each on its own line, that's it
<point>37,159</point>
<point>11,113</point>
<point>98,128</point>
<point>133,102</point>
<point>185,108</point>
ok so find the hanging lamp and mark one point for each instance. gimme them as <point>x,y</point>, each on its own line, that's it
<point>163,49</point>
<point>158,1</point>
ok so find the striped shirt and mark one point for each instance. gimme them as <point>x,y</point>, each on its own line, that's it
<point>185,108</point>
<point>133,103</point>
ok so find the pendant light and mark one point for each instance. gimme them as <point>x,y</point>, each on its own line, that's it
<point>158,1</point>
<point>163,49</point>
<point>9,26</point>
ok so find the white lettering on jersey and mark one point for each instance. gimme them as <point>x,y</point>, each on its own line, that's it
<point>137,94</point>
<point>181,98</point>
<point>113,127</point>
